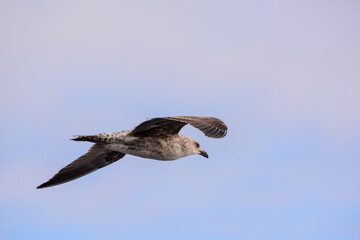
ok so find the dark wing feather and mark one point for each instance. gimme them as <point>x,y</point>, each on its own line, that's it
<point>96,158</point>
<point>210,126</point>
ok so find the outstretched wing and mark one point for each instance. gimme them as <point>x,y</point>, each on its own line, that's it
<point>96,158</point>
<point>163,126</point>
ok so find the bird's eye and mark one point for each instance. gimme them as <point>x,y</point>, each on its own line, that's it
<point>197,144</point>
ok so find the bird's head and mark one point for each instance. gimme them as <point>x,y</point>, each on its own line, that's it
<point>190,146</point>
<point>199,150</point>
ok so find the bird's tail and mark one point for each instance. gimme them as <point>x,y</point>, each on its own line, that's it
<point>88,138</point>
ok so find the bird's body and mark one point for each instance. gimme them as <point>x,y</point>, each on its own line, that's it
<point>164,148</point>
<point>169,148</point>
<point>157,138</point>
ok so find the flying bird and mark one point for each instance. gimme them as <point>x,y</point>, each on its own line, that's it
<point>156,138</point>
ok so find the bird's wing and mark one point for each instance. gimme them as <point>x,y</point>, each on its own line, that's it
<point>96,158</point>
<point>163,126</point>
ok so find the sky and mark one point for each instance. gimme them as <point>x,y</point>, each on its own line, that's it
<point>283,75</point>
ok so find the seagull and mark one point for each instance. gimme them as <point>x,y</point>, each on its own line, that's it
<point>156,138</point>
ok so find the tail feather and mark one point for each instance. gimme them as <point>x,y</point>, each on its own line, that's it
<point>89,138</point>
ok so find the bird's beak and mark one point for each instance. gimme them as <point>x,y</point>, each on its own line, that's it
<point>203,153</point>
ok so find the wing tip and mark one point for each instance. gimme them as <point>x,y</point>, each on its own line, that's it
<point>44,185</point>
<point>216,136</point>
<point>212,121</point>
<point>49,183</point>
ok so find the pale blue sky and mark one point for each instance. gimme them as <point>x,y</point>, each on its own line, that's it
<point>283,75</point>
